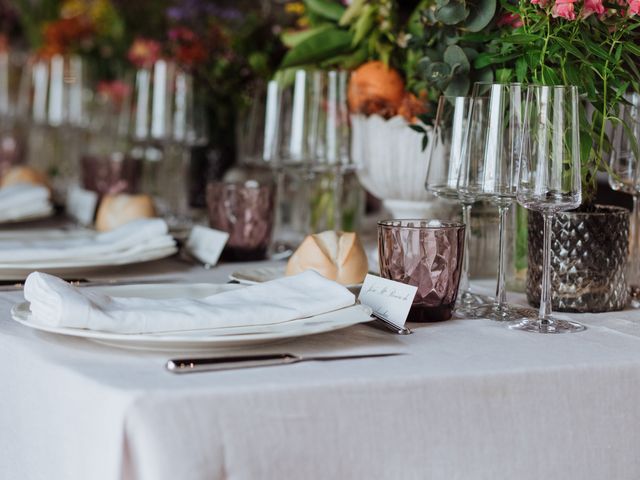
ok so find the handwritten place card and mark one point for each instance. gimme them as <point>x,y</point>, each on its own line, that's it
<point>206,244</point>
<point>389,299</point>
<point>81,205</point>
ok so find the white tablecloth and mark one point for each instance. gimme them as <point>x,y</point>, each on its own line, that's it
<point>470,400</point>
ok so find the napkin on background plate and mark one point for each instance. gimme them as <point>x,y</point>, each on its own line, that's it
<point>56,303</point>
<point>24,200</point>
<point>134,237</point>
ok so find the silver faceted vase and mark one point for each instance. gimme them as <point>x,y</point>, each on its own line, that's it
<point>588,259</point>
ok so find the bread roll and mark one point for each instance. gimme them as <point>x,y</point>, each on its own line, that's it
<point>116,210</point>
<point>337,256</point>
<point>24,174</point>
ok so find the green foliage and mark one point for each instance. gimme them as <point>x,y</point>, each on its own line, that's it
<point>450,46</point>
<point>600,55</point>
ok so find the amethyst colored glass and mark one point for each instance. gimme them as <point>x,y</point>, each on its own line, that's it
<point>427,254</point>
<point>246,212</point>
<point>110,174</point>
<point>11,151</point>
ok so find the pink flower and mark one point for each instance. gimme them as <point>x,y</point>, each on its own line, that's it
<point>593,6</point>
<point>564,9</point>
<point>511,19</point>
<point>634,7</point>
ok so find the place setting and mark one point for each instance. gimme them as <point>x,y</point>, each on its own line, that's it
<point>319,239</point>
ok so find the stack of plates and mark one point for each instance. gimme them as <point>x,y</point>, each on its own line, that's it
<point>63,252</point>
<point>24,202</point>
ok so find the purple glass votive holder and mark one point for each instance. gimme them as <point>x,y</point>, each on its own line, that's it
<point>110,174</point>
<point>246,212</point>
<point>427,254</point>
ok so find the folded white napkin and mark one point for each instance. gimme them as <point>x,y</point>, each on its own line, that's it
<point>56,303</point>
<point>23,200</point>
<point>134,237</point>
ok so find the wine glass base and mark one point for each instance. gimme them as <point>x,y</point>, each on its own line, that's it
<point>468,302</point>
<point>504,313</point>
<point>634,295</point>
<point>546,326</point>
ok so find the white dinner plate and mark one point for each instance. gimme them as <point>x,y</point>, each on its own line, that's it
<point>67,266</point>
<point>28,218</point>
<point>203,340</point>
<point>251,276</point>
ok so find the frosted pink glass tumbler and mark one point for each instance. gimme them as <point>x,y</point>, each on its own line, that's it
<point>427,254</point>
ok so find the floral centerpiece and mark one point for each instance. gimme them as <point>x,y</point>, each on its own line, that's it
<point>404,55</point>
<point>595,46</point>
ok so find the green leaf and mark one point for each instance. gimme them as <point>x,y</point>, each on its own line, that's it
<point>458,86</point>
<point>414,25</point>
<point>452,13</point>
<point>503,75</point>
<point>364,24</point>
<point>318,48</point>
<point>633,48</point>
<point>521,69</point>
<point>326,9</point>
<point>293,39</point>
<point>352,12</point>
<point>425,142</point>
<point>438,71</point>
<point>480,15</point>
<point>455,57</point>
<point>521,38</point>
<point>417,128</point>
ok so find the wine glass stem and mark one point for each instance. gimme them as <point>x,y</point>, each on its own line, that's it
<point>464,277</point>
<point>501,292</point>
<point>545,295</point>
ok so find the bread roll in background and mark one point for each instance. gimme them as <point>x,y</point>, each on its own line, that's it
<point>116,210</point>
<point>24,174</point>
<point>337,256</point>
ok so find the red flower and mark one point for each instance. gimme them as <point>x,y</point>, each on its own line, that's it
<point>115,91</point>
<point>144,52</point>
<point>187,47</point>
<point>512,20</point>
<point>634,7</point>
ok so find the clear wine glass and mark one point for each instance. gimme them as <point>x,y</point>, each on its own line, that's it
<point>624,176</point>
<point>488,171</point>
<point>450,131</point>
<point>53,99</point>
<point>549,180</point>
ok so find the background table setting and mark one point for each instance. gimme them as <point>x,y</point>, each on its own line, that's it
<point>319,239</point>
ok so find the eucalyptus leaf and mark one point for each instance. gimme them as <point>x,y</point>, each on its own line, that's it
<point>452,13</point>
<point>458,86</point>
<point>455,56</point>
<point>481,15</point>
<point>438,70</point>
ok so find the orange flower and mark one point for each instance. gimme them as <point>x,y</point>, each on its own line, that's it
<point>60,35</point>
<point>144,52</point>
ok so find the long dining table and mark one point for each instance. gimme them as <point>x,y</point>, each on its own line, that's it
<point>465,399</point>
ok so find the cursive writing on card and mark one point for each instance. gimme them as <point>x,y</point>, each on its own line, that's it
<point>388,299</point>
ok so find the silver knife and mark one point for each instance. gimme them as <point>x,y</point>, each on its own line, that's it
<point>214,364</point>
